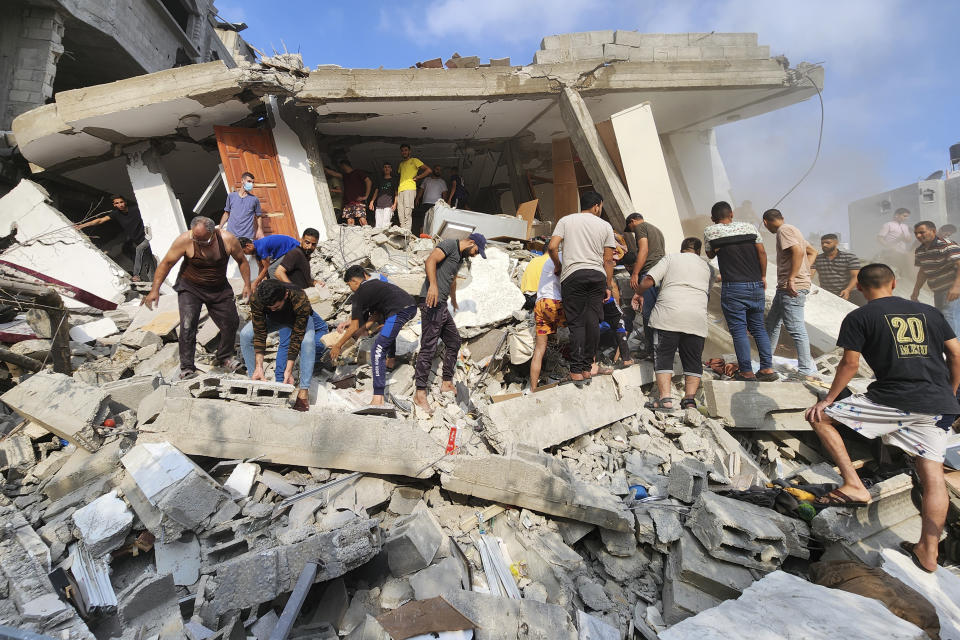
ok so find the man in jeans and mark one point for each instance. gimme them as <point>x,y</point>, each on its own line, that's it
<point>743,264</point>
<point>442,266</point>
<point>586,278</point>
<point>281,307</point>
<point>650,250</point>
<point>939,268</point>
<point>794,255</point>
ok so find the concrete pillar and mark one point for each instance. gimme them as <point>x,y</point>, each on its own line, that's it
<point>698,176</point>
<point>31,43</point>
<point>302,166</point>
<point>646,171</point>
<point>158,204</point>
<point>583,135</point>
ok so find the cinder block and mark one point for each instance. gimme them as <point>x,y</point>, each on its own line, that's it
<point>689,53</point>
<point>665,39</point>
<point>588,52</point>
<point>613,52</point>
<point>641,54</point>
<point>681,600</point>
<point>723,39</point>
<point>589,38</point>
<point>561,41</point>
<point>664,54</point>
<point>690,562</point>
<point>628,38</point>
<point>711,52</point>
<point>688,479</point>
<point>413,542</point>
<point>746,53</point>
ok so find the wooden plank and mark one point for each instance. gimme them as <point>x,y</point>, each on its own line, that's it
<point>527,211</point>
<point>566,197</point>
<point>421,617</point>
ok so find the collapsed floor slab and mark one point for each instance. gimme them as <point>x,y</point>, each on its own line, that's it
<point>526,478</point>
<point>232,430</point>
<point>760,405</point>
<point>61,405</point>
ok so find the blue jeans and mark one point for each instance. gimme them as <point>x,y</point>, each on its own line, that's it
<point>788,310</point>
<point>385,346</point>
<point>950,310</point>
<point>742,304</point>
<point>649,301</point>
<point>311,349</point>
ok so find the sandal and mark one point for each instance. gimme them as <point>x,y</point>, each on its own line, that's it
<point>658,405</point>
<point>739,377</point>
<point>907,548</point>
<point>837,498</point>
<point>688,403</point>
<point>772,376</point>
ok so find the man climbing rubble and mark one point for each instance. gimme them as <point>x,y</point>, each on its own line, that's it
<point>650,250</point>
<point>294,267</point>
<point>376,298</point>
<point>134,232</point>
<point>442,266</point>
<point>202,280</point>
<point>680,320</point>
<point>915,356</point>
<point>268,252</point>
<point>281,307</point>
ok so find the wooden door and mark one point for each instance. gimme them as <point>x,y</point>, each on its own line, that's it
<point>253,150</point>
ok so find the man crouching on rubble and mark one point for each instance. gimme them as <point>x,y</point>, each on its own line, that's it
<point>202,280</point>
<point>385,299</point>
<point>911,404</point>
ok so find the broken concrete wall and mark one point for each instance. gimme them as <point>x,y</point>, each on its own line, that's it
<point>61,405</point>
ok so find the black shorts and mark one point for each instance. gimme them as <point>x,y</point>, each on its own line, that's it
<point>691,351</point>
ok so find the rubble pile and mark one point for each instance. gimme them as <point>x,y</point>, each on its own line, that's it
<point>137,506</point>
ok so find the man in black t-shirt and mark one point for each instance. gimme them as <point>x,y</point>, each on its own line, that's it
<point>912,404</point>
<point>743,263</point>
<point>376,298</point>
<point>131,223</point>
<point>294,266</point>
<point>384,199</point>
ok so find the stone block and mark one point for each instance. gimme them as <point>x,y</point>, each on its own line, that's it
<point>587,52</point>
<point>641,54</point>
<point>130,392</point>
<point>103,524</point>
<point>664,54</point>
<point>616,52</point>
<point>61,405</point>
<point>502,618</point>
<point>711,52</point>
<point>526,478</point>
<point>441,579</point>
<point>690,562</point>
<point>628,38</point>
<point>82,467</point>
<point>689,53</point>
<point>233,430</point>
<point>759,405</point>
<point>688,479</point>
<point>241,479</point>
<point>139,338</point>
<point>166,362</point>
<point>413,542</point>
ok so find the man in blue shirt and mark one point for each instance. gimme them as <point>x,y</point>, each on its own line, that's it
<point>241,213</point>
<point>268,251</point>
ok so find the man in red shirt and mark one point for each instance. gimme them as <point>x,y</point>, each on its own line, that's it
<point>356,191</point>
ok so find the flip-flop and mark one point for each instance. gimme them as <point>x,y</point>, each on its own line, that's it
<point>837,498</point>
<point>907,548</point>
<point>579,384</point>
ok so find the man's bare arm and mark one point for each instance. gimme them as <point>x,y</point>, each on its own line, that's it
<point>232,245</point>
<point>436,257</point>
<point>281,274</point>
<point>643,250</point>
<point>951,349</point>
<point>554,250</point>
<point>92,223</point>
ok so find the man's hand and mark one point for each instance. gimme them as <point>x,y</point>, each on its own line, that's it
<point>453,301</point>
<point>150,300</point>
<point>259,234</point>
<point>953,294</point>
<point>258,373</point>
<point>637,302</point>
<point>763,282</point>
<point>635,281</point>
<point>288,377</point>
<point>915,296</point>
<point>815,413</point>
<point>845,294</point>
<point>791,287</point>
<point>342,326</point>
<point>245,294</point>
<point>557,269</point>
<point>335,353</point>
<point>370,206</point>
<point>433,293</point>
<point>393,207</point>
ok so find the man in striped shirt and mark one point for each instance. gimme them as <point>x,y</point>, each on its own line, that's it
<point>939,267</point>
<point>837,270</point>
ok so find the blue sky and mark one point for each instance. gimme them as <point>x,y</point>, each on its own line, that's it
<point>891,80</point>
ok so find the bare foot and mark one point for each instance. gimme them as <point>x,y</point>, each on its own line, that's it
<point>376,401</point>
<point>447,387</point>
<point>926,557</point>
<point>391,363</point>
<point>420,399</point>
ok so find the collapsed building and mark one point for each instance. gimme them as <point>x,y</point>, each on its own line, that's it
<point>135,506</point>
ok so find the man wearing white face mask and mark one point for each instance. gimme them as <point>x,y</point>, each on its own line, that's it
<point>241,213</point>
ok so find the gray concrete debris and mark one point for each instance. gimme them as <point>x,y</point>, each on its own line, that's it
<point>593,595</point>
<point>241,479</point>
<point>413,542</point>
<point>180,558</point>
<point>690,562</point>
<point>103,524</point>
<point>528,478</point>
<point>257,392</point>
<point>315,439</point>
<point>688,479</point>
<point>505,618</point>
<point>150,603</point>
<point>760,406</point>
<point>593,628</point>
<point>62,405</point>
<point>130,392</point>
<point>440,579</point>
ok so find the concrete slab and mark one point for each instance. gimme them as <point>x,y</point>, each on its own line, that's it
<point>62,405</point>
<point>130,392</point>
<point>558,414</point>
<point>941,589</point>
<point>103,524</point>
<point>315,439</point>
<point>764,406</point>
<point>506,618</point>
<point>527,478</point>
<point>180,558</point>
<point>92,330</point>
<point>490,296</point>
<point>839,614</point>
<point>241,479</point>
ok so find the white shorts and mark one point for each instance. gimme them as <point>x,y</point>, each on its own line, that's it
<point>916,433</point>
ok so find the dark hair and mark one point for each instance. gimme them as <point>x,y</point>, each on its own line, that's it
<point>633,217</point>
<point>925,223</point>
<point>404,145</point>
<point>830,236</point>
<point>117,197</point>
<point>720,211</point>
<point>356,271</point>
<point>874,276</point>
<point>247,174</point>
<point>901,210</point>
<point>691,243</point>
<point>772,214</point>
<point>589,200</point>
<point>948,228</point>
<point>270,292</point>
<point>345,161</point>
<point>244,241</point>
<point>387,163</point>
<point>313,233</point>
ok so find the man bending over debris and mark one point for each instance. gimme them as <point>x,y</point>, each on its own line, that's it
<point>284,308</point>
<point>387,300</point>
<point>680,320</point>
<point>294,267</point>
<point>436,323</point>
<point>911,404</point>
<point>202,280</point>
<point>268,252</point>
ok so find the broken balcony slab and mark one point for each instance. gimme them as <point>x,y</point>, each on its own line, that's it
<point>263,574</point>
<point>82,467</point>
<point>506,618</point>
<point>130,392</point>
<point>62,405</point>
<point>552,416</point>
<point>316,439</point>
<point>65,256</point>
<point>942,589</point>
<point>762,609</point>
<point>524,477</point>
<point>762,406</point>
<point>103,524</point>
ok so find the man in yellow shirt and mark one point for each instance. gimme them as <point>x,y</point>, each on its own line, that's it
<point>412,171</point>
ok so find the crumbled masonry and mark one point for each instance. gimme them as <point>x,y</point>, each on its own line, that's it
<point>139,506</point>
